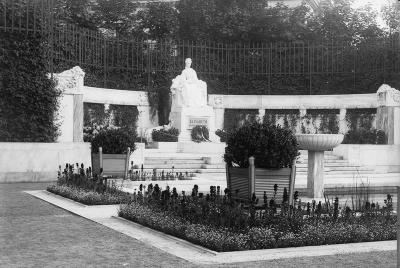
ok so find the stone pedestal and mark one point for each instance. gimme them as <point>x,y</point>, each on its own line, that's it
<point>185,118</point>
<point>315,176</point>
<point>316,144</point>
<point>388,113</point>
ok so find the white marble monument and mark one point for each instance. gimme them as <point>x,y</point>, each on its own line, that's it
<point>189,104</point>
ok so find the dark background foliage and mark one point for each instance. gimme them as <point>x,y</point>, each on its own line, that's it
<point>29,99</point>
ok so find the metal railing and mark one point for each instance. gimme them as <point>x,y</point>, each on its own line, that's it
<point>134,59</point>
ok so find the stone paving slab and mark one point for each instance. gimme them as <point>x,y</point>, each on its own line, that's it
<point>107,216</point>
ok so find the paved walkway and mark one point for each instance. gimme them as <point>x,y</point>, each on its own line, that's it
<point>34,233</point>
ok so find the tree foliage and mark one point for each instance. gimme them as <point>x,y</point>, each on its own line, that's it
<point>231,20</point>
<point>158,21</point>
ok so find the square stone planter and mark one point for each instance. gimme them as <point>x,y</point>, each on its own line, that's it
<point>257,180</point>
<point>116,165</point>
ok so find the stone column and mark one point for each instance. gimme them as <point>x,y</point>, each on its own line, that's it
<point>261,114</point>
<point>342,121</point>
<point>70,113</point>
<point>315,176</point>
<point>388,113</point>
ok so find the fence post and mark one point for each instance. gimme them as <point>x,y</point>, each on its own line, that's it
<point>251,177</point>
<point>128,153</point>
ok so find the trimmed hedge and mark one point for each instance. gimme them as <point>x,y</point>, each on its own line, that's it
<point>114,141</point>
<point>272,146</point>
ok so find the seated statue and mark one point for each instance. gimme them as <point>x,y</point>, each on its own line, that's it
<point>187,89</point>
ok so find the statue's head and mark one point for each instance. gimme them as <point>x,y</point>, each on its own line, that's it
<point>188,62</point>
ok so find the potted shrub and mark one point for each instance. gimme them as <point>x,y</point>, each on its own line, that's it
<point>272,151</point>
<point>111,149</point>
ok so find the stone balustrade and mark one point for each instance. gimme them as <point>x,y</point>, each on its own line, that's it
<point>386,101</point>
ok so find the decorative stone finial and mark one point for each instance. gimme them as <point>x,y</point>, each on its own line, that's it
<point>70,81</point>
<point>388,96</point>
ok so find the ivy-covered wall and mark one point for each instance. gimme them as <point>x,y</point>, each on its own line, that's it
<point>28,98</point>
<point>234,118</point>
<point>324,121</point>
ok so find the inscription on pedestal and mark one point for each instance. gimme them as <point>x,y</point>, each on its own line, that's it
<point>198,121</point>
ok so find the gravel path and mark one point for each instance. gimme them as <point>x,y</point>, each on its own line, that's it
<point>34,233</point>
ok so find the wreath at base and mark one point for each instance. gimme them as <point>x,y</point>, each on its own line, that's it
<point>200,134</point>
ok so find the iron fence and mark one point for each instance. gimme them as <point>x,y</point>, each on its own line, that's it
<point>108,59</point>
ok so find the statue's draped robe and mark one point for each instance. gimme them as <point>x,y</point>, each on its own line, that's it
<point>189,90</point>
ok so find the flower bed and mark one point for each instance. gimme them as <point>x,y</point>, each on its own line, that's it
<point>89,197</point>
<point>79,184</point>
<point>219,223</point>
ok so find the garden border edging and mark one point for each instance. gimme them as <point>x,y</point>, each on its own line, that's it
<point>197,254</point>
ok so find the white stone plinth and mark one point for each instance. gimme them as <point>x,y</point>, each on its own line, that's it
<point>315,176</point>
<point>181,117</point>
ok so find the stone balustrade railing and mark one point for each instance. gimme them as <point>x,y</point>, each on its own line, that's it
<point>386,100</point>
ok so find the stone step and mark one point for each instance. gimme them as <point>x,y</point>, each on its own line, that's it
<point>337,168</point>
<point>148,153</point>
<point>193,166</point>
<point>211,170</point>
<point>305,152</point>
<point>352,177</point>
<point>326,157</point>
<point>339,161</point>
<point>218,166</point>
<point>155,162</point>
<point>329,164</point>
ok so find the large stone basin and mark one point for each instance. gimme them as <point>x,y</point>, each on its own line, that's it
<point>316,144</point>
<point>319,142</point>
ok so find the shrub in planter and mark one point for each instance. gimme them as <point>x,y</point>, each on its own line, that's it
<point>272,146</point>
<point>165,135</point>
<point>274,149</point>
<point>114,141</point>
<point>200,133</point>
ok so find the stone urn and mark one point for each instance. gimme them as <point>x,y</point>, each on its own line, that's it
<point>316,144</point>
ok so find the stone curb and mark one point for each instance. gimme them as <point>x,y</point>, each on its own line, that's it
<point>107,216</point>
